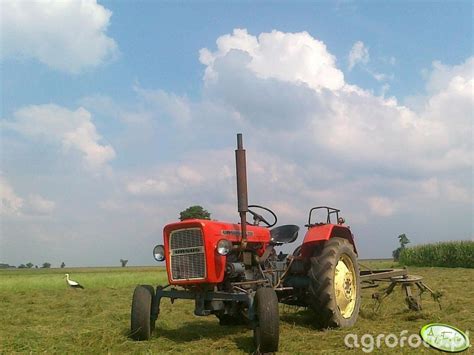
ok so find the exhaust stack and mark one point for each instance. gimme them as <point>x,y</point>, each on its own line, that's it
<point>242,199</point>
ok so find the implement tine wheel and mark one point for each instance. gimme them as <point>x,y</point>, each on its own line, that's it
<point>370,278</point>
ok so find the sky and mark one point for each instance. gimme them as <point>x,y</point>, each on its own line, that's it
<point>116,116</point>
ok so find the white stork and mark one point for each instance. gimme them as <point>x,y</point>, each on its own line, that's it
<point>72,283</point>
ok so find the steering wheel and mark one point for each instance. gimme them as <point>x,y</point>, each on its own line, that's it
<point>257,218</point>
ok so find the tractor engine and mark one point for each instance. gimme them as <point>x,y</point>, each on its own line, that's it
<point>200,251</point>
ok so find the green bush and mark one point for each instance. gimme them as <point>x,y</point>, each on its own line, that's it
<point>445,254</point>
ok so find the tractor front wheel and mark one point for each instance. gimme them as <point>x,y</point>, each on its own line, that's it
<point>334,284</point>
<point>267,331</point>
<point>141,324</point>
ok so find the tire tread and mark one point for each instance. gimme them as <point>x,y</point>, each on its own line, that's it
<point>268,319</point>
<point>140,313</point>
<point>320,291</point>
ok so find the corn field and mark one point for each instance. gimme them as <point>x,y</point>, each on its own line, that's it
<point>445,254</point>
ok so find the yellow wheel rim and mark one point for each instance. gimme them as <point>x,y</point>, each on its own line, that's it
<point>345,286</point>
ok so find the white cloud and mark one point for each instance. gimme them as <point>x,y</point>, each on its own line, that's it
<point>10,203</point>
<point>359,54</point>
<point>382,206</point>
<point>66,35</point>
<point>205,170</point>
<point>290,57</point>
<point>13,205</point>
<point>189,175</point>
<point>343,120</point>
<point>439,78</point>
<point>442,75</point>
<point>380,76</point>
<point>430,187</point>
<point>147,187</point>
<point>384,89</point>
<point>72,129</point>
<point>458,193</point>
<point>176,107</point>
<point>381,133</point>
<point>38,205</point>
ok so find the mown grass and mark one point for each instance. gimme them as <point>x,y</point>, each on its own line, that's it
<point>40,314</point>
<point>445,254</point>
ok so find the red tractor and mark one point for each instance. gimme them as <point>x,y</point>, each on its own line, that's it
<point>232,270</point>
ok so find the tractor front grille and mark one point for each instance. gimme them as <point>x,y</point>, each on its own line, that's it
<point>187,257</point>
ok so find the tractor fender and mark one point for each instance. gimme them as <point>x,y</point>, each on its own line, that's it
<point>321,233</point>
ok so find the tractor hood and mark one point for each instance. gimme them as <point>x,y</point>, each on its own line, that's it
<point>191,248</point>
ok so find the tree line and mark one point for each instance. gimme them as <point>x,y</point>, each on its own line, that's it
<point>30,265</point>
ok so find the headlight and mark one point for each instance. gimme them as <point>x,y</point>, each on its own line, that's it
<point>159,253</point>
<point>224,246</point>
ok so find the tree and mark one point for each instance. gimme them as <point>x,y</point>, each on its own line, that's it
<point>194,212</point>
<point>46,266</point>
<point>123,262</point>
<point>403,240</point>
<point>29,265</point>
<point>63,265</point>
<point>22,266</point>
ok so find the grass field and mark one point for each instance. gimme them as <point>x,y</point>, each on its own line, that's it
<point>38,313</point>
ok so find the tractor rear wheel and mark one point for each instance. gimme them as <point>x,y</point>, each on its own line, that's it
<point>334,284</point>
<point>266,334</point>
<point>141,326</point>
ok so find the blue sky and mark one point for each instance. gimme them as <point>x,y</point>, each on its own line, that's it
<point>117,115</point>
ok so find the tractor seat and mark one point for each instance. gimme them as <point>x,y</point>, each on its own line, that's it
<point>284,234</point>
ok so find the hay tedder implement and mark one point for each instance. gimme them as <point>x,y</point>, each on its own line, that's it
<point>232,270</point>
<point>412,285</point>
